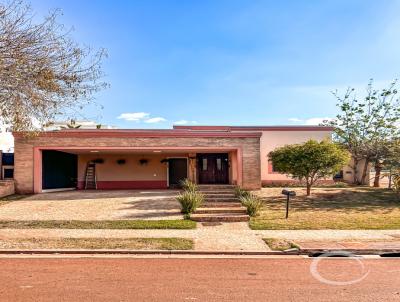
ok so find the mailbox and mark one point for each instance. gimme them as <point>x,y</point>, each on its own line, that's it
<point>288,195</point>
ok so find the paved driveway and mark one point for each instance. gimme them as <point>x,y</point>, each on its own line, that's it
<point>95,205</point>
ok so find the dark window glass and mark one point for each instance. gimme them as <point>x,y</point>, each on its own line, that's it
<point>8,173</point>
<point>205,164</point>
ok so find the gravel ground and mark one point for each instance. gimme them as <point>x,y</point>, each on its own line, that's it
<point>94,205</point>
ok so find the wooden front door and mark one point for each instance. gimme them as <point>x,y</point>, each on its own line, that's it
<point>213,168</point>
<point>177,171</point>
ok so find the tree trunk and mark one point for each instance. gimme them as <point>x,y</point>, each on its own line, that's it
<point>355,170</point>
<point>308,189</point>
<point>365,170</point>
<point>378,169</point>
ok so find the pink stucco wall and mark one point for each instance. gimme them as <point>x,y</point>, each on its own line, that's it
<point>270,140</point>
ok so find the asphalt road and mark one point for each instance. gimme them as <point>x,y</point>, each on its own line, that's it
<point>130,279</point>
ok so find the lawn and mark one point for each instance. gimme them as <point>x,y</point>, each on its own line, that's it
<point>330,208</point>
<point>97,224</point>
<point>98,243</point>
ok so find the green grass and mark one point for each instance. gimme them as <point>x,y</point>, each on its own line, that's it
<point>99,243</point>
<point>100,224</point>
<point>280,244</point>
<point>330,208</point>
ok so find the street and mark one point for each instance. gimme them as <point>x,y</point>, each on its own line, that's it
<point>218,279</point>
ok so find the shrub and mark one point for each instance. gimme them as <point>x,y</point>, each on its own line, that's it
<point>188,185</point>
<point>396,184</point>
<point>239,192</point>
<point>253,204</point>
<point>190,201</point>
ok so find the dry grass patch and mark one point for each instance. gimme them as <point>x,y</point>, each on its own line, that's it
<point>280,244</point>
<point>97,224</point>
<point>99,243</point>
<point>330,208</point>
<point>10,198</point>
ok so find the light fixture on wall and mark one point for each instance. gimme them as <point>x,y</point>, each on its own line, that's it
<point>94,151</point>
<point>143,161</point>
<point>157,151</point>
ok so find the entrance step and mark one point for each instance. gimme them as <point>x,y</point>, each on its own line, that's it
<point>223,195</point>
<point>220,210</point>
<point>225,217</point>
<point>210,204</point>
<point>216,187</point>
<point>222,199</point>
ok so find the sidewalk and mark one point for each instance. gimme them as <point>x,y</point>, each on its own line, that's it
<point>223,237</point>
<point>232,236</point>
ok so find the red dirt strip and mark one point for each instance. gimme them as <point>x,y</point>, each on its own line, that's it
<point>135,279</point>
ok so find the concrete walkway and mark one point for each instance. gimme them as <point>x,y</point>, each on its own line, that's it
<point>330,234</point>
<point>223,237</point>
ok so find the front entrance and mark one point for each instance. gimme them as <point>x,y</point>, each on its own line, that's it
<point>177,171</point>
<point>213,168</point>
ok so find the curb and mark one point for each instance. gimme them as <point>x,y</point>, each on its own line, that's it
<point>305,252</point>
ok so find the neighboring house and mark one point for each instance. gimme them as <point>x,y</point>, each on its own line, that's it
<point>6,165</point>
<point>153,159</point>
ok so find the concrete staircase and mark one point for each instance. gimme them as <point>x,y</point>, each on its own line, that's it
<point>220,205</point>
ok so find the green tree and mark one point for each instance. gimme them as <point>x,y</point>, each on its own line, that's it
<point>309,162</point>
<point>44,74</point>
<point>365,125</point>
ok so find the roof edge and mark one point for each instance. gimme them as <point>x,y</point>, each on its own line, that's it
<point>139,133</point>
<point>256,128</point>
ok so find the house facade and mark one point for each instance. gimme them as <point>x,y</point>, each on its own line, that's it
<point>153,159</point>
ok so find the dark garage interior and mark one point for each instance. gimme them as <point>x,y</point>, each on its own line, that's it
<point>59,169</point>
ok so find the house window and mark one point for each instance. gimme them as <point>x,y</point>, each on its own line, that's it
<point>204,164</point>
<point>8,173</point>
<point>219,164</point>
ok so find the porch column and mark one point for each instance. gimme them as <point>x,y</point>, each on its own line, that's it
<point>37,170</point>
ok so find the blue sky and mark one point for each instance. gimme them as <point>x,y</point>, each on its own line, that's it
<point>232,62</point>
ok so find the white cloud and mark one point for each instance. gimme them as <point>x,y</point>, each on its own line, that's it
<point>316,120</point>
<point>311,121</point>
<point>295,120</point>
<point>155,120</point>
<point>184,122</point>
<point>133,116</point>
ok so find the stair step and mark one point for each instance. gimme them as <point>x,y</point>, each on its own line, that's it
<point>222,195</point>
<point>224,210</point>
<point>210,204</point>
<point>222,199</point>
<point>226,217</point>
<point>216,187</point>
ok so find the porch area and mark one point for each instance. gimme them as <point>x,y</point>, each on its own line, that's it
<point>117,169</point>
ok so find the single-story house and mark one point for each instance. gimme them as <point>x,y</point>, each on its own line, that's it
<point>153,159</point>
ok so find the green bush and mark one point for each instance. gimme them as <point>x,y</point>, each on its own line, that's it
<point>239,192</point>
<point>190,201</point>
<point>253,204</point>
<point>188,185</point>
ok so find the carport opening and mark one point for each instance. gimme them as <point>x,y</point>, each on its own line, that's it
<point>59,170</point>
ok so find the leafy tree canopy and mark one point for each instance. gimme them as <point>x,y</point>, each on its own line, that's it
<point>44,73</point>
<point>310,161</point>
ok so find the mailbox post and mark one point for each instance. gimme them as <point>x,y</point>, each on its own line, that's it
<point>288,195</point>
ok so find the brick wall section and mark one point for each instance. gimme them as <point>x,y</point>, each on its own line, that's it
<point>6,188</point>
<point>23,149</point>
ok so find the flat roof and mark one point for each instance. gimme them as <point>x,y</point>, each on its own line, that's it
<point>257,128</point>
<point>142,133</point>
